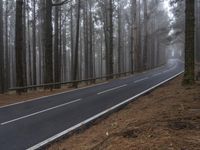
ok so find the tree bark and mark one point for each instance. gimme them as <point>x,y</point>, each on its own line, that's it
<point>48,72</point>
<point>75,68</point>
<point>57,52</point>
<point>1,49</point>
<point>34,43</point>
<point>19,44</point>
<point>189,43</point>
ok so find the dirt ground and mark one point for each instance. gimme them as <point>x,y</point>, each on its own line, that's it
<point>166,119</point>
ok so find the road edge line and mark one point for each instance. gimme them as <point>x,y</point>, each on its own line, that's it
<point>61,134</point>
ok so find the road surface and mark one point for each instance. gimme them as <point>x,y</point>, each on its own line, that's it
<point>32,124</point>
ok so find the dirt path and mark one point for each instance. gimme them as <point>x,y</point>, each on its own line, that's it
<point>167,118</point>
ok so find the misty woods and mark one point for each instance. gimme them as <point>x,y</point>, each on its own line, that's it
<point>52,41</point>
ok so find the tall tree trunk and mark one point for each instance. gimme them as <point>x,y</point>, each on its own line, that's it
<point>91,52</point>
<point>24,54</point>
<point>145,53</point>
<point>108,29</point>
<point>111,37</point>
<point>119,36</point>
<point>72,39</point>
<point>86,37</point>
<point>189,42</point>
<point>7,51</point>
<point>75,68</point>
<point>135,36</point>
<point>48,73</point>
<point>19,44</point>
<point>29,58</point>
<point>1,49</point>
<point>34,43</point>
<point>57,52</point>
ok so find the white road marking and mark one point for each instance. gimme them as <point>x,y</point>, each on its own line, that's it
<point>166,71</point>
<point>59,135</point>
<point>39,112</point>
<point>39,98</point>
<point>155,75</point>
<point>111,89</point>
<point>140,80</point>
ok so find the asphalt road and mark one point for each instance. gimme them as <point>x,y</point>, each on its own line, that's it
<point>29,125</point>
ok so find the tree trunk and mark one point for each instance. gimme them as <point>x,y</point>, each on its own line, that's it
<point>189,43</point>
<point>48,73</point>
<point>75,68</point>
<point>57,52</point>
<point>119,37</point>
<point>34,43</point>
<point>2,49</point>
<point>145,53</point>
<point>19,44</point>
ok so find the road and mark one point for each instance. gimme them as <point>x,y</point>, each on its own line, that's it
<point>29,125</point>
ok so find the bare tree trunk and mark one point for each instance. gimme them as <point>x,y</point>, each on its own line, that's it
<point>72,40</point>
<point>135,37</point>
<point>189,43</point>
<point>24,54</point>
<point>48,73</point>
<point>57,52</point>
<point>86,38</point>
<point>7,52</point>
<point>2,49</point>
<point>91,52</point>
<point>145,53</point>
<point>19,44</point>
<point>34,43</point>
<point>29,58</point>
<point>111,37</point>
<point>75,68</point>
<point>119,37</point>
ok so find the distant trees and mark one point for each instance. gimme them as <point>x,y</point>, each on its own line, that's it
<point>189,42</point>
<point>58,41</point>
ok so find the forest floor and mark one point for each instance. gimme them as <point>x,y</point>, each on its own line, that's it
<point>12,97</point>
<point>166,118</point>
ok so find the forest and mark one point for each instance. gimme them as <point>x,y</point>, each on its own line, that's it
<point>44,43</point>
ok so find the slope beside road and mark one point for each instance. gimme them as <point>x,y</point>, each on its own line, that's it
<point>32,124</point>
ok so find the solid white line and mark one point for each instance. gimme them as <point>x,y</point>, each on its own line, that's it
<point>111,89</point>
<point>39,145</point>
<point>140,80</point>
<point>39,98</point>
<point>39,112</point>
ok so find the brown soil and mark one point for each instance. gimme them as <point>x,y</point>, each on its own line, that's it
<point>167,118</point>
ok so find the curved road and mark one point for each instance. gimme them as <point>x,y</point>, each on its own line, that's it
<point>32,124</point>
